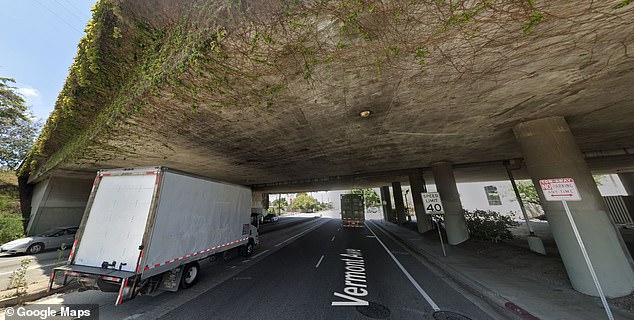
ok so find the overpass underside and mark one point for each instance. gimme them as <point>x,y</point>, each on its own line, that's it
<point>284,96</point>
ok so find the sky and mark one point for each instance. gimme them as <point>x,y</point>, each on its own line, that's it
<point>38,43</point>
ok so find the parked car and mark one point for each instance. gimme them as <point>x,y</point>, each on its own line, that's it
<point>51,239</point>
<point>271,217</point>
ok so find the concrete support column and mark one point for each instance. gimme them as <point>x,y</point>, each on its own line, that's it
<point>265,202</point>
<point>387,203</point>
<point>399,204</point>
<point>417,184</point>
<point>455,223</point>
<point>550,151</point>
<point>627,179</point>
<point>257,202</point>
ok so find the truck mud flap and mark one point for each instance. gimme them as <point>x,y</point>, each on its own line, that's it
<point>172,279</point>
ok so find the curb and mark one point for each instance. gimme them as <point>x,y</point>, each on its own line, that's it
<point>495,299</point>
<point>29,297</point>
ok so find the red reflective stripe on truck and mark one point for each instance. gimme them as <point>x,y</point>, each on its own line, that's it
<point>150,172</point>
<point>120,297</point>
<point>72,251</point>
<point>138,261</point>
<point>50,281</point>
<point>195,253</point>
<point>111,279</point>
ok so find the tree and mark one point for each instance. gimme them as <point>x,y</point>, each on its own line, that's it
<point>17,129</point>
<point>279,203</point>
<point>371,198</point>
<point>527,191</point>
<point>304,203</point>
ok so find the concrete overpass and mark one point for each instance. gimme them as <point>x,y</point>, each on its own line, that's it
<point>284,96</point>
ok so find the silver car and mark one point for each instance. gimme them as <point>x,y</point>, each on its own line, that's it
<point>51,239</point>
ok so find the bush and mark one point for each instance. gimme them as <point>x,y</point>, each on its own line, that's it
<point>10,227</point>
<point>489,225</point>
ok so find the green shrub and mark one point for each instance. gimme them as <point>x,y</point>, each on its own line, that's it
<point>489,225</point>
<point>10,227</point>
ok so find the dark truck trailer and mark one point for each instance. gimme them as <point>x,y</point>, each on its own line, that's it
<point>352,210</point>
<point>145,229</point>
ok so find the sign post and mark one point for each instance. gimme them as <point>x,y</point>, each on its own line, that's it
<point>433,206</point>
<point>564,189</point>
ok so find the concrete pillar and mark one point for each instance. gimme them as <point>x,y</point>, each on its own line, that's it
<point>257,202</point>
<point>399,204</point>
<point>417,184</point>
<point>550,151</point>
<point>455,223</point>
<point>387,207</point>
<point>627,179</point>
<point>265,202</point>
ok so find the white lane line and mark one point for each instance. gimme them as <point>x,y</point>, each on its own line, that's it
<point>259,254</point>
<point>333,239</point>
<point>37,267</point>
<point>297,235</point>
<point>319,262</point>
<point>409,276</point>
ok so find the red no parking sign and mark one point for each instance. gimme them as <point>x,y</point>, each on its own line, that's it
<point>560,189</point>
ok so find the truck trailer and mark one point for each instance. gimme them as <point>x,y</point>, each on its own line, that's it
<point>145,229</point>
<point>352,210</point>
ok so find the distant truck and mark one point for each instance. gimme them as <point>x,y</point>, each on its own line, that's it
<point>145,229</point>
<point>352,210</point>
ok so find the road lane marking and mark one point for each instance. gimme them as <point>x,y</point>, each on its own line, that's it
<point>333,239</point>
<point>37,267</point>
<point>409,276</point>
<point>259,254</point>
<point>301,233</point>
<point>319,262</point>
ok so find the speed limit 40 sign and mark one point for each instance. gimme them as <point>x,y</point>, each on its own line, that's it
<point>432,203</point>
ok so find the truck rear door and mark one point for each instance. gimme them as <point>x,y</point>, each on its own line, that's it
<point>116,221</point>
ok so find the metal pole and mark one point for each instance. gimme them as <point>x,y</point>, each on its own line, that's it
<point>519,199</point>
<point>587,258</point>
<point>442,244</point>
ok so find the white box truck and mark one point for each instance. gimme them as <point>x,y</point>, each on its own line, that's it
<point>145,229</point>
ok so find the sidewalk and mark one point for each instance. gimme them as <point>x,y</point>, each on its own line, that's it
<point>510,276</point>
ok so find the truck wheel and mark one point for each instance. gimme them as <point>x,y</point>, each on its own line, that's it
<point>227,255</point>
<point>35,248</point>
<point>190,275</point>
<point>247,249</point>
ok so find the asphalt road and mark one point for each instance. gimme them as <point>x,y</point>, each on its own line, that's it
<point>39,268</point>
<point>294,274</point>
<point>300,280</point>
<point>283,222</point>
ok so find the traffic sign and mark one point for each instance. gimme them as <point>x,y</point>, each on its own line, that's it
<point>432,203</point>
<point>560,189</point>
